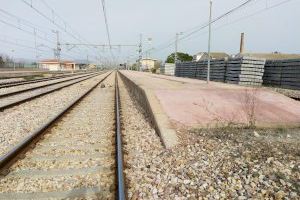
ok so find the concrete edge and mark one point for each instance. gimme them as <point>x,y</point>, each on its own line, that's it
<point>160,121</point>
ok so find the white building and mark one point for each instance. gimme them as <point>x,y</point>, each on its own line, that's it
<point>148,64</point>
<point>56,65</point>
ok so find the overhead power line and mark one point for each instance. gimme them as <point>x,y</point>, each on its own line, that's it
<point>49,19</point>
<point>106,21</point>
<point>186,36</point>
<point>247,16</point>
<point>26,22</point>
<point>60,27</point>
<point>24,30</point>
<point>217,19</point>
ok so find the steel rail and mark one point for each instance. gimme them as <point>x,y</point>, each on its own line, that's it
<point>18,102</point>
<point>25,82</point>
<point>119,154</point>
<point>39,87</point>
<point>9,158</point>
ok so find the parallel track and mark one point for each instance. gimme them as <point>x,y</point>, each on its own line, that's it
<point>23,100</point>
<point>25,82</point>
<point>7,160</point>
<point>40,86</point>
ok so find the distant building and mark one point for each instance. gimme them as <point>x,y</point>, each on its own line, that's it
<point>213,55</point>
<point>56,65</point>
<point>148,64</point>
<point>270,56</point>
<point>167,69</point>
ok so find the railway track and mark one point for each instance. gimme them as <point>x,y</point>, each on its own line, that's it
<point>25,82</point>
<point>22,90</point>
<point>11,99</point>
<point>76,154</point>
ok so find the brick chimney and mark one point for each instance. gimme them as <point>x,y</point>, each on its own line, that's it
<point>242,43</point>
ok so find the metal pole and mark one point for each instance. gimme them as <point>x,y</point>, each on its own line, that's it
<point>176,48</point>
<point>58,49</point>
<point>14,63</point>
<point>140,52</point>
<point>209,42</point>
<point>36,49</point>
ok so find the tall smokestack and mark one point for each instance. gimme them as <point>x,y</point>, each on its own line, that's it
<point>242,43</point>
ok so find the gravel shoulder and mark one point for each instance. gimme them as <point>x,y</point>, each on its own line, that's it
<point>21,120</point>
<point>226,163</point>
<point>75,158</point>
<point>287,92</point>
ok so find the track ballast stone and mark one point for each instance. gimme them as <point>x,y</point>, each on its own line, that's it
<point>75,159</point>
<point>23,119</point>
<point>208,164</point>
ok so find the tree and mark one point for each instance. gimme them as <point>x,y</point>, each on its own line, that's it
<point>134,67</point>
<point>182,57</point>
<point>1,61</point>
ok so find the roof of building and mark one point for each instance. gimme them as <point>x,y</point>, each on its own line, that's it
<point>54,61</point>
<point>272,56</point>
<point>149,59</point>
<point>216,55</point>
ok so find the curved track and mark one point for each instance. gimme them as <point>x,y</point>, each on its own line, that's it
<point>83,159</point>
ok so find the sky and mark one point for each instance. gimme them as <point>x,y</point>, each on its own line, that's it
<point>269,26</point>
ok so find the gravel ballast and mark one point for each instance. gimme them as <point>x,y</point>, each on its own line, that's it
<point>21,120</point>
<point>226,163</point>
<point>26,95</point>
<point>32,85</point>
<point>75,158</point>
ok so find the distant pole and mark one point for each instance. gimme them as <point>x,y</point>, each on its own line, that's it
<point>36,49</point>
<point>140,52</point>
<point>176,48</point>
<point>14,59</point>
<point>209,41</point>
<point>58,48</point>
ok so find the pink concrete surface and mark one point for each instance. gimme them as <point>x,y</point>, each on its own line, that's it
<point>193,103</point>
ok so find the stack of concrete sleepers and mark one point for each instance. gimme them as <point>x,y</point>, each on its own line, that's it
<point>245,71</point>
<point>185,69</point>
<point>283,73</point>
<point>168,69</point>
<point>217,70</point>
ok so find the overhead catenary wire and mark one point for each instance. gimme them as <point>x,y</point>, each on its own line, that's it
<point>231,11</point>
<point>21,26</point>
<point>51,20</point>
<point>246,17</point>
<point>188,35</point>
<point>24,30</point>
<point>27,23</point>
<point>107,30</point>
<point>106,22</point>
